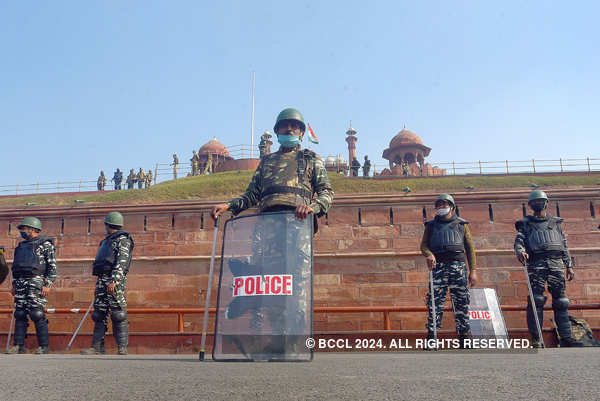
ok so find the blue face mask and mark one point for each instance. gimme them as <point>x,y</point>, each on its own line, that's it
<point>24,235</point>
<point>288,141</point>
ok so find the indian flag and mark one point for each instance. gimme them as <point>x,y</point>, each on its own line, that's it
<point>311,135</point>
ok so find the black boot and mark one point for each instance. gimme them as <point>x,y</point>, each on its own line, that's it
<point>429,337</point>
<point>41,329</point>
<point>462,337</point>
<point>121,334</point>
<point>570,342</point>
<point>97,340</point>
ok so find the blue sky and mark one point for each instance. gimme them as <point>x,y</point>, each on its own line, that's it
<point>86,86</point>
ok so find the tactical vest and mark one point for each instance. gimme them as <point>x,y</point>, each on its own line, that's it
<point>542,235</point>
<point>106,257</point>
<point>447,237</point>
<point>286,179</point>
<point>27,263</point>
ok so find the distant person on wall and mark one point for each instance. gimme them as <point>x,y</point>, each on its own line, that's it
<point>194,163</point>
<point>141,178</point>
<point>541,245</point>
<point>447,246</point>
<point>111,267</point>
<point>131,179</point>
<point>33,271</point>
<point>101,181</point>
<point>366,167</point>
<point>175,165</point>
<point>148,181</point>
<point>355,166</point>
<point>117,179</point>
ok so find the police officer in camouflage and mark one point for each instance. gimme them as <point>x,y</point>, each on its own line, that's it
<point>111,267</point>
<point>447,245</point>
<point>541,245</point>
<point>289,179</point>
<point>33,270</point>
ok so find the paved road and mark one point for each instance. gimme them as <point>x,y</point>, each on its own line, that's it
<point>551,374</point>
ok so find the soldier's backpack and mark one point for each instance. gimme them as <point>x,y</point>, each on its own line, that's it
<point>581,331</point>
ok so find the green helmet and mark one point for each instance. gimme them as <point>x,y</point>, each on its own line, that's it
<point>537,194</point>
<point>446,197</point>
<point>290,114</point>
<point>32,222</point>
<point>114,219</point>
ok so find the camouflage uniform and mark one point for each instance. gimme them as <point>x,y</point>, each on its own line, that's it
<point>119,248</point>
<point>366,167</point>
<point>450,272</point>
<point>546,266</point>
<point>283,181</point>
<point>101,181</point>
<point>131,178</point>
<point>175,165</point>
<point>28,288</point>
<point>148,179</point>
<point>117,179</point>
<point>141,178</point>
<point>194,162</point>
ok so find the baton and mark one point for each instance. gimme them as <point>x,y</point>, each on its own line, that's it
<point>534,307</point>
<point>207,304</point>
<point>80,324</point>
<point>12,320</point>
<point>433,311</point>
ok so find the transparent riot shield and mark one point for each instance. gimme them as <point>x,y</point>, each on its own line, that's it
<point>264,304</point>
<point>485,315</point>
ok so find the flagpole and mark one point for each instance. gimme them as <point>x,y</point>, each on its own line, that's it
<point>252,123</point>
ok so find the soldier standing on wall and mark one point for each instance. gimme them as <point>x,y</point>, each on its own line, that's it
<point>366,167</point>
<point>117,179</point>
<point>175,165</point>
<point>101,181</point>
<point>141,178</point>
<point>194,162</point>
<point>111,267</point>
<point>33,270</point>
<point>355,166</point>
<point>447,245</point>
<point>148,179</point>
<point>131,178</point>
<point>541,244</point>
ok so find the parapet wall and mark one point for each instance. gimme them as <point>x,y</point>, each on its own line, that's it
<point>366,253</point>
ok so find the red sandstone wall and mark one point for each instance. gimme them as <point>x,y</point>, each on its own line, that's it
<point>364,255</point>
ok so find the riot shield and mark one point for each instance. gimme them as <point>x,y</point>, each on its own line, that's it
<point>485,316</point>
<point>264,304</point>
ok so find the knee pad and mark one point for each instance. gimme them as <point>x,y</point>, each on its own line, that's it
<point>36,315</point>
<point>98,316</point>
<point>540,300</point>
<point>561,303</point>
<point>118,315</point>
<point>20,314</point>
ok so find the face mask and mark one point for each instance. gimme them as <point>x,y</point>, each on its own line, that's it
<point>538,207</point>
<point>24,235</point>
<point>443,211</point>
<point>288,141</point>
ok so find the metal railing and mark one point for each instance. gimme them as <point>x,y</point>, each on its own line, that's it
<point>165,171</point>
<point>384,310</point>
<point>506,166</point>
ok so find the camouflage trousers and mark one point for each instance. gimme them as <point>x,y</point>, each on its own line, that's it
<point>549,271</point>
<point>105,302</point>
<point>453,276</point>
<point>28,293</point>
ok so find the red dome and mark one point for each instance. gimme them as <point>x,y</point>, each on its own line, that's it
<point>214,147</point>
<point>405,137</point>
